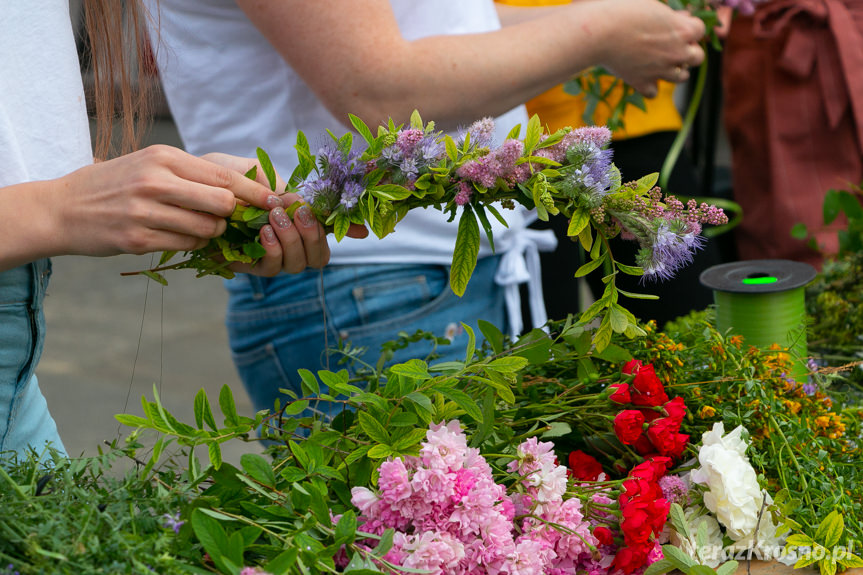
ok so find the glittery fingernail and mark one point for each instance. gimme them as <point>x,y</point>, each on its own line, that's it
<point>268,234</point>
<point>305,216</point>
<point>281,218</point>
<point>274,201</point>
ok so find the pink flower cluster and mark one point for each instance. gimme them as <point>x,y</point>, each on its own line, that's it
<point>451,517</point>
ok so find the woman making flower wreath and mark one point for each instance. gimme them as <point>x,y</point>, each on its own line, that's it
<point>247,73</point>
<point>56,200</point>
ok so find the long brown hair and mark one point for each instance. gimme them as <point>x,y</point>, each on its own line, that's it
<point>123,73</point>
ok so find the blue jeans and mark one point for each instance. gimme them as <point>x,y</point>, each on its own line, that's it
<point>276,325</point>
<point>24,417</point>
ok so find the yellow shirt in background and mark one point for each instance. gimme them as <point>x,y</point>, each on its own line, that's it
<point>557,109</point>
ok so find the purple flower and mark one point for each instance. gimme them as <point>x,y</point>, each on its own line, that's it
<point>667,249</point>
<point>340,180</point>
<point>810,388</point>
<point>172,522</point>
<point>481,133</point>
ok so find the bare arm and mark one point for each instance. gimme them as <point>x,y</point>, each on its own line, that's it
<point>159,198</point>
<point>355,59</point>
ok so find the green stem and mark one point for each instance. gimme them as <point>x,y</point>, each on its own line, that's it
<point>689,118</point>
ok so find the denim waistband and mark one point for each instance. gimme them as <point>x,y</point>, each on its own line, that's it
<point>25,284</point>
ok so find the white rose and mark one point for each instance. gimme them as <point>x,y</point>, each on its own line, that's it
<point>733,495</point>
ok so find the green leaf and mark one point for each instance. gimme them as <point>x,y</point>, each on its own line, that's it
<point>203,413</point>
<point>492,335</point>
<point>258,469</point>
<point>211,535</point>
<point>465,252</point>
<point>799,231</point>
<point>660,567</point>
<point>132,420</point>
<point>557,429</point>
<point>603,334</point>
<point>283,562</point>
<point>727,568</point>
<point>155,276</point>
<point>678,520</point>
<point>589,267</point>
<point>214,452</point>
<point>700,570</point>
<point>637,295</point>
<point>413,368</point>
<point>831,206</point>
<point>373,428</point>
<point>228,407</point>
<point>806,560</point>
<point>678,558</point>
<point>362,129</point>
<point>619,321</point>
<point>252,173</point>
<point>578,222</point>
<point>799,540</point>
<point>463,400</point>
<point>851,561</point>
<point>346,528</point>
<point>451,150</point>
<point>508,364</point>
<point>341,225</point>
<point>629,270</point>
<point>308,382</point>
<point>830,530</point>
<point>416,120</point>
<point>827,566</point>
<point>267,166</point>
<point>471,343</point>
<point>532,135</point>
<point>380,451</point>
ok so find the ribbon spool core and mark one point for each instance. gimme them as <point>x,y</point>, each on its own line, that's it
<point>764,301</point>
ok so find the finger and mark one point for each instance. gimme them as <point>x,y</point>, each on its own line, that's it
<point>694,55</point>
<point>170,218</point>
<point>293,251</point>
<point>678,74</point>
<point>647,89</point>
<point>213,175</point>
<point>271,263</point>
<point>314,238</point>
<point>150,240</point>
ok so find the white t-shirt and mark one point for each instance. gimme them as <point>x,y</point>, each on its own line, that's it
<point>44,131</point>
<point>230,91</point>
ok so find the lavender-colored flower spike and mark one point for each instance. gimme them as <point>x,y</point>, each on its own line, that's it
<point>481,133</point>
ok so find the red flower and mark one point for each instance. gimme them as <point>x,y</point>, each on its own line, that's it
<point>583,466</point>
<point>679,445</point>
<point>620,393</point>
<point>650,414</point>
<point>628,425</point>
<point>631,366</point>
<point>663,435</point>
<point>643,447</point>
<point>675,409</point>
<point>651,469</point>
<point>604,535</point>
<point>646,388</point>
<point>630,558</point>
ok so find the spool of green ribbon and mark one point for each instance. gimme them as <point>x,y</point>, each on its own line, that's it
<point>764,301</point>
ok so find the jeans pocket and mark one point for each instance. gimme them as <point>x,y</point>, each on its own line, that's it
<point>397,297</point>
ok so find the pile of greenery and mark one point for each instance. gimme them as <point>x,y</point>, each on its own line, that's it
<point>290,511</point>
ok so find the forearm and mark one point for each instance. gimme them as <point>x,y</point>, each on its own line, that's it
<point>365,67</point>
<point>513,15</point>
<point>26,232</point>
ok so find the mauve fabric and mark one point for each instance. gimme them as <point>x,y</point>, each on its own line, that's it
<point>793,87</point>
